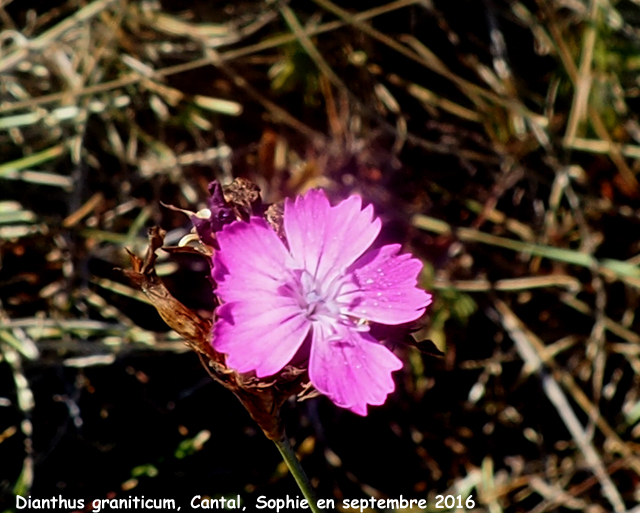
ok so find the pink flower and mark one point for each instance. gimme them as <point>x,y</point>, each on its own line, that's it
<point>314,298</point>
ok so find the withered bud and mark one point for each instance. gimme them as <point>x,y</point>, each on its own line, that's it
<point>238,201</point>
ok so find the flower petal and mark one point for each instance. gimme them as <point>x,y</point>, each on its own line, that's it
<point>325,240</point>
<point>261,334</point>
<point>251,259</point>
<point>351,368</point>
<point>384,287</point>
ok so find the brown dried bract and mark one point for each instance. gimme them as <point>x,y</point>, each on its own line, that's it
<point>275,217</point>
<point>244,197</point>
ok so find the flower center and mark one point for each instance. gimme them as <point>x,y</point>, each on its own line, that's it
<point>316,300</point>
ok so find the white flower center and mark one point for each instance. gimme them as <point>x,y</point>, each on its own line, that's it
<point>320,301</point>
<point>317,300</point>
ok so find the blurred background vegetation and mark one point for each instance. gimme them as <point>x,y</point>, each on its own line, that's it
<point>499,140</point>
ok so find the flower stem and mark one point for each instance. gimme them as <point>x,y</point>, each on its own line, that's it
<point>290,458</point>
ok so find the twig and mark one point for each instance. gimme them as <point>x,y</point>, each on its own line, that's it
<point>624,271</point>
<point>533,362</point>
